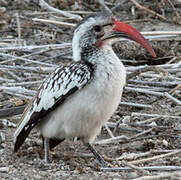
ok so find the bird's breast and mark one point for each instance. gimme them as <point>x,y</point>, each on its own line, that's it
<point>84,113</point>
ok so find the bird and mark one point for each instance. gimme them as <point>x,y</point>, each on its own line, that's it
<point>77,99</point>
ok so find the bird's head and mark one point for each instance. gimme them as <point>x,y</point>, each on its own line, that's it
<point>101,29</point>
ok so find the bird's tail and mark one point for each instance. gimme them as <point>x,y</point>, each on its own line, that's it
<point>23,129</point>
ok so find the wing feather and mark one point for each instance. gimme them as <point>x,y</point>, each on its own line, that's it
<point>62,83</point>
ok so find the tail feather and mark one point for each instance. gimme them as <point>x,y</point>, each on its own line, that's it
<point>28,122</point>
<point>19,140</point>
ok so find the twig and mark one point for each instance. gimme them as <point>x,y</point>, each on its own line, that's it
<point>133,156</point>
<point>154,115</point>
<point>7,80</point>
<point>150,168</point>
<point>34,47</point>
<point>174,70</point>
<point>149,88</point>
<point>155,126</point>
<point>8,112</point>
<point>43,4</point>
<point>161,33</point>
<point>19,90</point>
<point>80,12</point>
<point>149,120</point>
<point>135,104</point>
<point>27,55</point>
<point>145,69</point>
<point>142,133</point>
<point>112,140</point>
<point>56,56</point>
<point>18,95</point>
<point>166,84</point>
<point>109,131</point>
<point>154,93</point>
<point>31,69</point>
<point>158,76</point>
<point>12,75</point>
<point>146,66</point>
<point>172,60</point>
<point>119,4</point>
<point>174,89</point>
<point>141,90</point>
<point>175,100</point>
<point>148,10</point>
<point>177,65</point>
<point>175,10</point>
<point>160,176</point>
<point>122,127</point>
<point>139,169</point>
<point>141,161</point>
<point>25,83</point>
<point>25,59</point>
<point>102,3</point>
<point>19,28</point>
<point>54,22</point>
<point>156,84</point>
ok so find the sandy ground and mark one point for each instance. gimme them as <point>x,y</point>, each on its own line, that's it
<point>72,160</point>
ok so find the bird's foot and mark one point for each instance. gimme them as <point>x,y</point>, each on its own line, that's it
<point>97,155</point>
<point>47,160</point>
<point>103,163</point>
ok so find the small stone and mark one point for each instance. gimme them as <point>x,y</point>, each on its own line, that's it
<point>30,148</point>
<point>30,162</point>
<point>4,169</point>
<point>126,119</point>
<point>153,124</point>
<point>2,10</point>
<point>2,137</point>
<point>165,143</point>
<point>21,164</point>
<point>3,145</point>
<point>8,123</point>
<point>133,175</point>
<point>36,176</point>
<point>3,3</point>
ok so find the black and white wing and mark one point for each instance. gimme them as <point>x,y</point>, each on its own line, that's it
<point>62,83</point>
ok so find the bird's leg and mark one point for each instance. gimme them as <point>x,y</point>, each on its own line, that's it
<point>46,150</point>
<point>97,155</point>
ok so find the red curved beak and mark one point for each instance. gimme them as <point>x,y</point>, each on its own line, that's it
<point>133,34</point>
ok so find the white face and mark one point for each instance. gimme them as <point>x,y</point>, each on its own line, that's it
<point>78,33</point>
<point>83,32</point>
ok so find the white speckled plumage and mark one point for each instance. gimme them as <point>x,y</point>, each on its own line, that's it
<point>84,113</point>
<point>77,99</point>
<point>54,87</point>
<point>92,86</point>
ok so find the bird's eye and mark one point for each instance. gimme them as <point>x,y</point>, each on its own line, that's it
<point>97,28</point>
